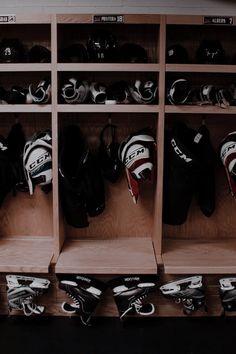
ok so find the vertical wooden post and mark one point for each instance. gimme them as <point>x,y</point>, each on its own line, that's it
<point>57,236</point>
<point>157,220</point>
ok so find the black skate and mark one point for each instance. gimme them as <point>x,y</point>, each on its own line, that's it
<point>85,293</point>
<point>21,291</point>
<point>228,294</point>
<point>129,293</point>
<point>188,291</point>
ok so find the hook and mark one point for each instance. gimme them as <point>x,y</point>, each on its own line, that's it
<point>109,119</point>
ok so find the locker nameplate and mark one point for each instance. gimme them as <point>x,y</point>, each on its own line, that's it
<point>108,18</point>
<point>7,18</point>
<point>218,20</point>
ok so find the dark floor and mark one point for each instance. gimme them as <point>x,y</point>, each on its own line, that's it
<point>64,335</point>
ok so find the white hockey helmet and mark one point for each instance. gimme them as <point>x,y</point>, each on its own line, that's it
<point>228,158</point>
<point>37,160</point>
<point>135,153</point>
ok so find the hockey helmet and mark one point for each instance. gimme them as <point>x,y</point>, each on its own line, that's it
<point>39,54</point>
<point>136,154</point>
<point>133,53</point>
<point>75,91</point>
<point>228,158</point>
<point>210,51</point>
<point>143,92</point>
<point>98,92</point>
<point>233,59</point>
<point>3,95</point>
<point>74,53</point>
<point>16,95</point>
<point>41,93</point>
<point>118,92</point>
<point>11,50</point>
<point>178,91</point>
<point>207,94</point>
<point>102,47</point>
<point>176,53</point>
<point>37,160</point>
<point>224,97</point>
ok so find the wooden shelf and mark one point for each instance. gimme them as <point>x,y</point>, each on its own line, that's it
<point>204,68</point>
<point>26,108</point>
<point>108,108</point>
<point>25,254</point>
<point>19,67</point>
<point>204,109</point>
<point>120,256</point>
<point>33,18</point>
<point>196,256</point>
<point>108,67</point>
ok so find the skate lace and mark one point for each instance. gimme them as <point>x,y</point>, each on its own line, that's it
<point>75,301</point>
<point>138,303</point>
<point>27,305</point>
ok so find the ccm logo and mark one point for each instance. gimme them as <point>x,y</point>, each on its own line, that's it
<point>227,149</point>
<point>179,152</point>
<point>134,154</point>
<point>41,159</point>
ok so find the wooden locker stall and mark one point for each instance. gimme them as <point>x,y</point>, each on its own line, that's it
<point>126,238</point>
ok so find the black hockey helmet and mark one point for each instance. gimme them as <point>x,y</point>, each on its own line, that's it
<point>118,92</point>
<point>74,53</point>
<point>11,50</point>
<point>16,95</point>
<point>178,91</point>
<point>233,59</point>
<point>39,54</point>
<point>210,51</point>
<point>133,53</point>
<point>207,94</point>
<point>176,53</point>
<point>102,47</point>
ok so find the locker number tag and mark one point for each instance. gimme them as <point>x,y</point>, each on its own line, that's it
<point>108,18</point>
<point>7,18</point>
<point>219,20</point>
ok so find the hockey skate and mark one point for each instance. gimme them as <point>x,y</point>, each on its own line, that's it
<point>188,291</point>
<point>21,291</point>
<point>85,292</point>
<point>129,293</point>
<point>228,294</point>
